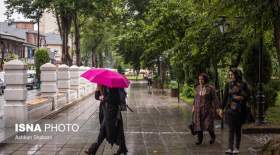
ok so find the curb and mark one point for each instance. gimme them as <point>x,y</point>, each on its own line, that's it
<point>254,150</point>
<point>65,107</point>
<point>260,130</point>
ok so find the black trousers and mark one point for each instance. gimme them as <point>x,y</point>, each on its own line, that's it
<point>102,135</point>
<point>235,125</point>
<point>200,135</point>
<point>234,136</point>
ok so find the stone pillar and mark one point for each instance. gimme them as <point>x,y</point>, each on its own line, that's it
<point>74,79</point>
<point>63,81</point>
<point>15,108</point>
<point>48,83</point>
<point>82,81</point>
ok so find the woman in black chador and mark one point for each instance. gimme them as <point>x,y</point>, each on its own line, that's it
<point>235,98</point>
<point>111,123</point>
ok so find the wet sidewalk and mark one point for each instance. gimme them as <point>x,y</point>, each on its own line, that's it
<point>158,126</point>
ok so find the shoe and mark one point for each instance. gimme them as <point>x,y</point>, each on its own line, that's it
<point>199,138</point>
<point>92,149</point>
<point>87,152</point>
<point>198,143</point>
<point>235,151</point>
<point>213,137</point>
<point>228,151</point>
<point>121,151</point>
<point>212,141</point>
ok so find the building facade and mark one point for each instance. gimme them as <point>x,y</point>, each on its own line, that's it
<point>19,40</point>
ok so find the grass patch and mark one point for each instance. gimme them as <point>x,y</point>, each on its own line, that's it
<point>134,77</point>
<point>188,100</point>
<point>273,113</point>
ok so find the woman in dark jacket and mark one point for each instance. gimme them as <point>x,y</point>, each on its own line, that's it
<point>111,123</point>
<point>204,107</point>
<point>235,97</point>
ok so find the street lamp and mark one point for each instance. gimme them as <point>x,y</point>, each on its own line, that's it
<point>260,95</point>
<point>38,34</point>
<point>223,27</point>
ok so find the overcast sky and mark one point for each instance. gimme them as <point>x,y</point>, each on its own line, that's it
<point>4,17</point>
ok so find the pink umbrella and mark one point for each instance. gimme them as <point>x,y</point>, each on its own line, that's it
<point>106,77</point>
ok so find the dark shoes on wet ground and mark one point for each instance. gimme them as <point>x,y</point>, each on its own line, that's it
<point>121,151</point>
<point>212,141</point>
<point>92,149</point>
<point>198,143</point>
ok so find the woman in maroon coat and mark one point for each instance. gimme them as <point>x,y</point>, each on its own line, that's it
<point>204,108</point>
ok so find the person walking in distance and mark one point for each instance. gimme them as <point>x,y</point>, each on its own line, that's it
<point>149,80</point>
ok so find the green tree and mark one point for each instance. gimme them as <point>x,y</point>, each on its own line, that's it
<point>83,9</point>
<point>251,60</point>
<point>251,73</point>
<point>41,57</point>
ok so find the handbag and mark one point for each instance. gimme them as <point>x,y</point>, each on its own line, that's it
<point>219,114</point>
<point>191,126</point>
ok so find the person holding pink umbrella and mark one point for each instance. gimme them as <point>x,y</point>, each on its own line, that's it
<point>110,84</point>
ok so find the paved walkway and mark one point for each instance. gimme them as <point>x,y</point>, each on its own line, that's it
<point>158,126</point>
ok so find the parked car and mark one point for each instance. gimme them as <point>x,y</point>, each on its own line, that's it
<point>31,79</point>
<point>2,86</point>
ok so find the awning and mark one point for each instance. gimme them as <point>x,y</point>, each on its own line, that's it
<point>7,36</point>
<point>29,45</point>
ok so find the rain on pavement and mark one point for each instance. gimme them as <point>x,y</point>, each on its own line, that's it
<point>158,126</point>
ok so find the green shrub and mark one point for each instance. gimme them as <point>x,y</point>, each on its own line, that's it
<point>10,56</point>
<point>270,93</point>
<point>275,84</point>
<point>250,67</point>
<point>173,84</point>
<point>41,57</point>
<point>188,90</point>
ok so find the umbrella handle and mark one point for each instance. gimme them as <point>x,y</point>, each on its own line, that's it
<point>129,108</point>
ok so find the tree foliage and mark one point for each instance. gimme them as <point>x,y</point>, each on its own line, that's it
<point>41,57</point>
<point>182,38</point>
<point>251,62</point>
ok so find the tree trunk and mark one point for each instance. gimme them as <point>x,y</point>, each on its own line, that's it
<point>100,60</point>
<point>68,57</point>
<point>77,39</point>
<point>93,58</point>
<point>64,23</point>
<point>94,55</point>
